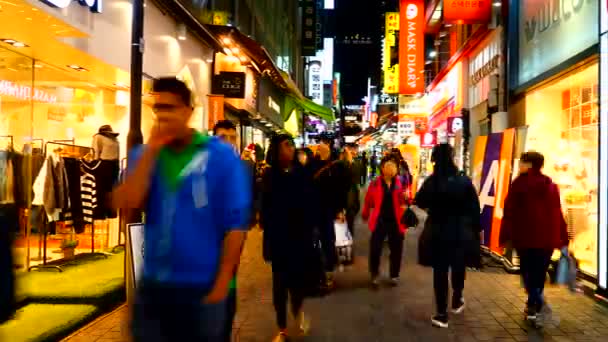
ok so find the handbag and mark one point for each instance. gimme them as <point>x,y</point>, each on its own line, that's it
<point>409,218</point>
<point>566,270</point>
<point>425,251</point>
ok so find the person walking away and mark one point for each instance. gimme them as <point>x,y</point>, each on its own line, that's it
<point>373,164</point>
<point>196,197</point>
<point>225,130</point>
<point>288,194</point>
<point>454,220</point>
<point>534,224</point>
<point>383,208</point>
<point>331,181</point>
<point>364,168</point>
<point>353,203</point>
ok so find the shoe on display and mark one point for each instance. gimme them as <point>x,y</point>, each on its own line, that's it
<point>303,323</point>
<point>281,337</point>
<point>458,305</point>
<point>440,321</point>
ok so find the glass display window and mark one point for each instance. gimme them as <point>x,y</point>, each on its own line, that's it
<point>563,124</point>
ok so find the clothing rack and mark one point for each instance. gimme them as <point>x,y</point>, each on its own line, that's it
<point>59,263</point>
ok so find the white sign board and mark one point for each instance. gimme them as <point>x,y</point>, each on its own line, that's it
<point>545,25</point>
<point>406,128</point>
<point>136,246</point>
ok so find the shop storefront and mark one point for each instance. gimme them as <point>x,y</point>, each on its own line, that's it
<point>486,65</point>
<point>64,77</point>
<point>558,100</point>
<point>446,100</point>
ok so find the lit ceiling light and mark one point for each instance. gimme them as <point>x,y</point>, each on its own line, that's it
<point>497,3</point>
<point>243,59</point>
<point>227,51</point>
<point>19,44</point>
<point>77,67</point>
<point>9,41</point>
<point>428,62</point>
<point>268,125</point>
<point>433,54</point>
<point>226,41</point>
<point>442,34</point>
<point>14,43</point>
<point>209,60</point>
<point>236,50</point>
<point>37,65</point>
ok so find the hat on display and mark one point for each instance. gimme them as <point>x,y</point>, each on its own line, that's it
<point>107,129</point>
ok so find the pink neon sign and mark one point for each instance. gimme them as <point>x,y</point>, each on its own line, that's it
<point>23,92</point>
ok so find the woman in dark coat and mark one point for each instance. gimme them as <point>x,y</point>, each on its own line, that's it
<point>287,197</point>
<point>453,227</point>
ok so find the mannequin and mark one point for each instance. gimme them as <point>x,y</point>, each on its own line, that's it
<point>106,152</point>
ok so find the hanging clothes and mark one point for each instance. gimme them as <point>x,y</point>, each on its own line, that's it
<point>104,174</point>
<point>76,215</point>
<point>51,187</point>
<point>88,195</point>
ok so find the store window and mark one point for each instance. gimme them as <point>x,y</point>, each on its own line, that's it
<point>16,145</point>
<point>563,125</point>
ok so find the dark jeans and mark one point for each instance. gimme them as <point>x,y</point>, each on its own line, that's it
<point>167,314</point>
<point>364,176</point>
<point>350,222</point>
<point>534,264</point>
<point>231,314</point>
<point>452,259</point>
<point>395,244</point>
<point>282,290</point>
<point>328,243</point>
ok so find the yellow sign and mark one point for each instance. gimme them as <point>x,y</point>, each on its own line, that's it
<point>390,65</point>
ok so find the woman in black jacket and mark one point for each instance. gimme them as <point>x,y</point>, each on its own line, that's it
<point>287,197</point>
<point>452,229</point>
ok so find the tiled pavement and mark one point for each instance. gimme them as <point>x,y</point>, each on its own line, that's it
<point>355,313</point>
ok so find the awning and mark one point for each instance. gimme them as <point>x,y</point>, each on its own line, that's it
<point>261,59</point>
<point>309,107</point>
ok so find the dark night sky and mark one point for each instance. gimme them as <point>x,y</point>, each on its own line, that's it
<point>357,62</point>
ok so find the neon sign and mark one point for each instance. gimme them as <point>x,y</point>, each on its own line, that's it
<point>95,6</point>
<point>22,92</point>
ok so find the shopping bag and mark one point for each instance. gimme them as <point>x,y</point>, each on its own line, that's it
<point>409,218</point>
<point>343,236</point>
<point>566,270</point>
<point>425,252</point>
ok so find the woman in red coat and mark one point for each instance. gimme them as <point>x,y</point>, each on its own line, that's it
<point>534,223</point>
<point>383,209</point>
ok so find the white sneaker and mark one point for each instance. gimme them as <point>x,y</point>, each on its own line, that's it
<point>395,281</point>
<point>459,308</point>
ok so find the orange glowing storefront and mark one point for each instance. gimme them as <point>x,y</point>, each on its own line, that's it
<point>446,100</point>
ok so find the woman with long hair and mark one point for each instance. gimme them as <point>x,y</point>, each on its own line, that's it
<point>454,222</point>
<point>384,205</point>
<point>287,197</point>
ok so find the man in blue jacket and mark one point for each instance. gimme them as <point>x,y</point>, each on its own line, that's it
<point>196,198</point>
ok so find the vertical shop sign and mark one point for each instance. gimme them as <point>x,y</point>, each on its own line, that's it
<point>502,186</point>
<point>411,47</point>
<point>315,83</point>
<point>391,53</point>
<point>467,11</point>
<point>216,110</point>
<point>374,120</point>
<point>309,22</point>
<point>319,26</point>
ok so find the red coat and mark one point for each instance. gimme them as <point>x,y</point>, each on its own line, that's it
<point>373,203</point>
<point>533,215</point>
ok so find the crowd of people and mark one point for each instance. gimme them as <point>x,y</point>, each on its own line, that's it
<point>200,199</point>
